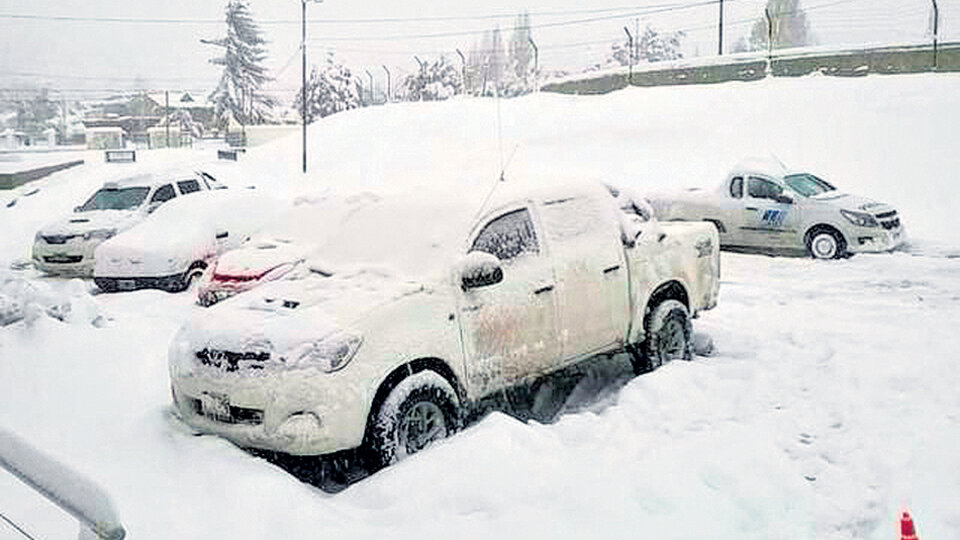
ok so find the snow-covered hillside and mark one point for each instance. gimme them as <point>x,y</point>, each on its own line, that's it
<point>830,404</point>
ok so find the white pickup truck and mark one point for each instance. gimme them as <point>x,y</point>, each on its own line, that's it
<point>762,205</point>
<point>358,354</point>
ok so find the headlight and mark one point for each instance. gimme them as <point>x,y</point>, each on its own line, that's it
<point>100,234</point>
<point>330,353</point>
<point>860,219</point>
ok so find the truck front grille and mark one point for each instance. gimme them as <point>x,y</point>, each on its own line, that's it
<point>58,239</point>
<point>893,224</point>
<point>230,361</point>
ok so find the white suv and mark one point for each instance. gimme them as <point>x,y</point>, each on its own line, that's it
<point>66,246</point>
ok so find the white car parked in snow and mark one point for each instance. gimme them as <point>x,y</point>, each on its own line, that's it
<point>358,354</point>
<point>67,246</point>
<point>170,249</point>
<point>762,205</point>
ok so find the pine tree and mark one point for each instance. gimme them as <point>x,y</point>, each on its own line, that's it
<point>238,92</point>
<point>329,90</point>
<point>790,26</point>
<point>521,53</point>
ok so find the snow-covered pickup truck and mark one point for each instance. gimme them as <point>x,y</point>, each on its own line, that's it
<point>762,205</point>
<point>67,246</point>
<point>358,354</point>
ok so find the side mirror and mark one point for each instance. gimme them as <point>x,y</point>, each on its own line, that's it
<point>76,209</point>
<point>784,199</point>
<point>479,269</point>
<point>153,206</point>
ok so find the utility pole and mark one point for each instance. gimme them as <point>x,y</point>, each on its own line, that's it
<point>720,32</point>
<point>766,12</point>
<point>370,75</point>
<point>303,76</point>
<point>629,52</point>
<point>463,70</point>
<point>166,113</point>
<point>388,82</point>
<point>936,23</point>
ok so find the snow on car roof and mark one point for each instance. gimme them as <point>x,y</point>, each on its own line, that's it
<point>769,166</point>
<point>185,222</point>
<point>149,178</point>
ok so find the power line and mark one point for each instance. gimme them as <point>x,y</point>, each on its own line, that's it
<point>636,13</point>
<point>325,21</point>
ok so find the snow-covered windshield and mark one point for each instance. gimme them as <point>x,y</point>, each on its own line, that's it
<point>116,199</point>
<point>807,184</point>
<point>413,236</point>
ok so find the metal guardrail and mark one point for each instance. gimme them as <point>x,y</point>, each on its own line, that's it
<point>787,63</point>
<point>12,180</point>
<point>74,494</point>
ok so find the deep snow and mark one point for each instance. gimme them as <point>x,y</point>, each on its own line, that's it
<point>829,405</point>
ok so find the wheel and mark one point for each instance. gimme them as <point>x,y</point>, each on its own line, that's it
<point>669,336</point>
<point>422,409</point>
<point>826,244</point>
<point>185,280</point>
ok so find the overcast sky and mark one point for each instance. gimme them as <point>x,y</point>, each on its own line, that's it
<point>156,45</point>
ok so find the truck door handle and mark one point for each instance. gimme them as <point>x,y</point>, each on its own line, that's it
<point>222,234</point>
<point>613,268</point>
<point>752,208</point>
<point>472,308</point>
<point>544,289</point>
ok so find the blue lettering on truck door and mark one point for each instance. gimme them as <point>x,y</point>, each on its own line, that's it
<point>773,218</point>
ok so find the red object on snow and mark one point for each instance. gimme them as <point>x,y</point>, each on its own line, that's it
<point>907,532</point>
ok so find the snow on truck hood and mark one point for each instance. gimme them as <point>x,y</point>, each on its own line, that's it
<point>283,314</point>
<point>82,222</point>
<point>852,202</point>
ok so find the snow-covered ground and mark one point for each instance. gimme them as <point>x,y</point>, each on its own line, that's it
<point>830,404</point>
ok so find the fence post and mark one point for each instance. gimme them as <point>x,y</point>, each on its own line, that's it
<point>936,22</point>
<point>720,32</point>
<point>630,52</point>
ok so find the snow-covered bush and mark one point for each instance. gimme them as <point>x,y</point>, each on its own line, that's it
<point>28,300</point>
<point>332,89</point>
<point>438,80</point>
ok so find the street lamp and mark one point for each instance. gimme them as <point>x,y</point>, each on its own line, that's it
<point>303,75</point>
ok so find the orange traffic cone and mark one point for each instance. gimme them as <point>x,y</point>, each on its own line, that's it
<point>907,531</point>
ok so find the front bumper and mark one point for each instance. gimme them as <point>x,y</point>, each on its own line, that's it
<point>171,283</point>
<point>875,239</point>
<point>73,257</point>
<point>294,411</point>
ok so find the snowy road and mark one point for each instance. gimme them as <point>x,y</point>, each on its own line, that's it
<point>830,404</point>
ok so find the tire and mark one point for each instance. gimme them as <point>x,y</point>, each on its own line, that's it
<point>186,280</point>
<point>826,244</point>
<point>419,411</point>
<point>669,336</point>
